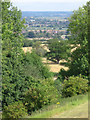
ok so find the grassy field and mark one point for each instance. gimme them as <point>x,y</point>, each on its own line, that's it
<point>73,107</point>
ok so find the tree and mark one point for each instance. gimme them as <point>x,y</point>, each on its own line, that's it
<point>31,34</point>
<point>48,35</point>
<point>78,63</point>
<point>58,50</point>
<point>16,80</point>
<point>28,43</point>
<point>13,79</point>
<point>79,31</point>
<point>38,48</point>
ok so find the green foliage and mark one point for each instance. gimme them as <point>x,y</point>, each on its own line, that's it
<point>12,67</point>
<point>61,75</point>
<point>34,67</point>
<point>78,62</point>
<point>14,62</point>
<point>28,43</point>
<point>31,34</point>
<point>55,109</point>
<point>79,31</point>
<point>25,77</point>
<point>74,86</point>
<point>41,92</point>
<point>58,50</point>
<point>19,70</point>
<point>38,49</point>
<point>14,111</point>
<point>58,86</point>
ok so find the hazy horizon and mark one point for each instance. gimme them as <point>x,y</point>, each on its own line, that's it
<point>47,11</point>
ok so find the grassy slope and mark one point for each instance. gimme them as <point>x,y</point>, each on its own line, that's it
<point>80,111</point>
<point>67,105</point>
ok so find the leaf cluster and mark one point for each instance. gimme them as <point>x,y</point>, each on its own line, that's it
<point>74,86</point>
<point>58,50</point>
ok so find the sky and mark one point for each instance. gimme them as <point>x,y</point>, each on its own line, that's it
<point>48,5</point>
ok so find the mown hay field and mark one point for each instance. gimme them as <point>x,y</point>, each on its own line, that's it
<point>53,66</point>
<point>27,49</point>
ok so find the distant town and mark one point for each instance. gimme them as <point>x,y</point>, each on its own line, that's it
<point>46,24</point>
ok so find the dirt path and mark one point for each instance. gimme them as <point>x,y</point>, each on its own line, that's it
<point>80,111</point>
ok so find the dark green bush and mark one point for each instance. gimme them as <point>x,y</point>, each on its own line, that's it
<point>58,85</point>
<point>28,43</point>
<point>74,86</point>
<point>41,93</point>
<point>34,66</point>
<point>15,110</point>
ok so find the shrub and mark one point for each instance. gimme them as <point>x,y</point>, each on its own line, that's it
<point>15,110</point>
<point>35,67</point>
<point>58,85</point>
<point>74,86</point>
<point>41,93</point>
<point>28,43</point>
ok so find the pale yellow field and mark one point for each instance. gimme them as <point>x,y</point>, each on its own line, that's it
<point>27,49</point>
<point>45,47</point>
<point>54,67</point>
<point>39,38</point>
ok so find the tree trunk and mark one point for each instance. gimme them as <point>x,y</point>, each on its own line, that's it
<point>57,61</point>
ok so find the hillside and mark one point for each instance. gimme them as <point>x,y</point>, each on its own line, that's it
<point>74,107</point>
<point>80,111</point>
